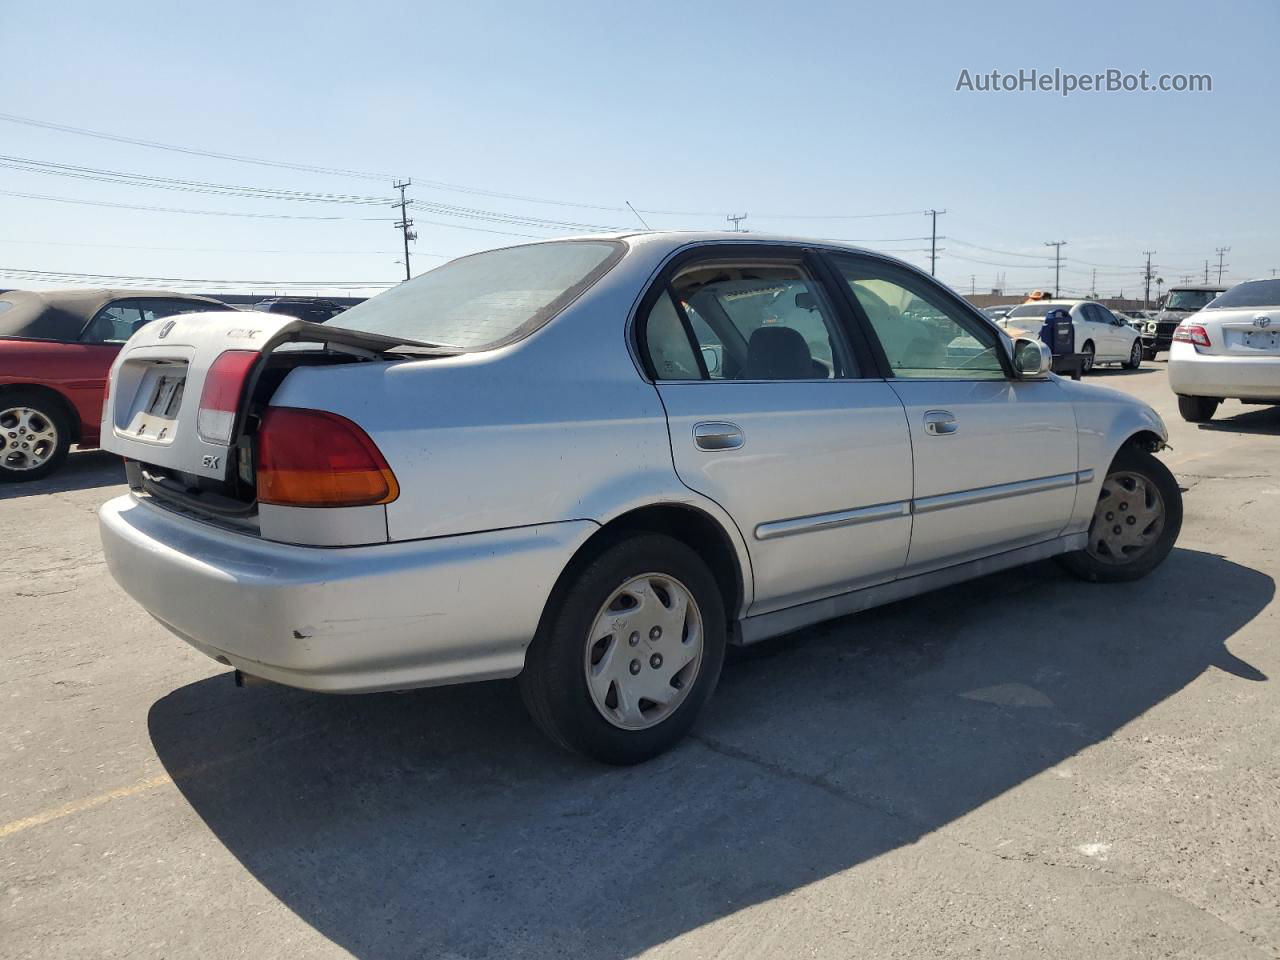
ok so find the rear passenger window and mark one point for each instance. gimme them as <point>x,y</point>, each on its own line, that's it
<point>670,351</point>
<point>761,321</point>
<point>114,323</point>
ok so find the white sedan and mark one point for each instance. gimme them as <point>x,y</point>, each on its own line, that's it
<point>593,463</point>
<point>1229,350</point>
<point>1101,336</point>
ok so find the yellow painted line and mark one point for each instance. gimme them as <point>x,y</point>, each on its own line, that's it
<point>142,786</point>
<point>79,806</point>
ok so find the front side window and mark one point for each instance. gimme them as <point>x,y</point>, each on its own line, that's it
<point>487,299</point>
<point>761,321</point>
<point>922,334</point>
<point>114,323</point>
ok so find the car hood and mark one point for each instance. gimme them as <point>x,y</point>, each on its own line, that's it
<point>1081,394</point>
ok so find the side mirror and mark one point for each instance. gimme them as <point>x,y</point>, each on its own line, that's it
<point>1031,358</point>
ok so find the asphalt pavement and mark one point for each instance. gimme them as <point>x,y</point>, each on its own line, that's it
<point>1021,766</point>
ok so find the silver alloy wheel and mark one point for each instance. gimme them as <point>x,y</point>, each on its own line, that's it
<point>644,651</point>
<point>28,439</point>
<point>1128,520</point>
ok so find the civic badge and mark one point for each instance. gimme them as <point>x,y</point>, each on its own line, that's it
<point>164,331</point>
<point>1262,321</point>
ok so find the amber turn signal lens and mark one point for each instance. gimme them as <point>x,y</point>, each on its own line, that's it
<point>312,458</point>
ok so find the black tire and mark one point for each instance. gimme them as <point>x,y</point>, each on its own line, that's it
<point>1149,353</point>
<point>554,683</point>
<point>1197,409</point>
<point>1087,564</point>
<point>1088,352</point>
<point>12,454</point>
<point>1135,357</point>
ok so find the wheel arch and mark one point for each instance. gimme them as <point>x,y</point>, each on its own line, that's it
<point>691,525</point>
<point>54,396</point>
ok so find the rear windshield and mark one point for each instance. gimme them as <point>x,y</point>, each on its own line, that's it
<point>1189,299</point>
<point>487,299</point>
<point>1253,293</point>
<point>1035,309</point>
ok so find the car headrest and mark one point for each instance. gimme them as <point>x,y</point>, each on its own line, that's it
<point>778,353</point>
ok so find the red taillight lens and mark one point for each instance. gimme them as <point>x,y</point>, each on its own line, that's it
<point>220,398</point>
<point>310,458</point>
<point>1192,333</point>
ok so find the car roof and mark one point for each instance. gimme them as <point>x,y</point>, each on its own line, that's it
<point>1208,287</point>
<point>62,314</point>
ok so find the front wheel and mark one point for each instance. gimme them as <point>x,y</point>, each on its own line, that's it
<point>629,651</point>
<point>1197,409</point>
<point>1135,523</point>
<point>34,437</point>
<point>1135,357</point>
<point>1149,353</point>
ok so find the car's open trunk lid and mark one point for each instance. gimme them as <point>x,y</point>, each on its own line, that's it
<point>150,415</point>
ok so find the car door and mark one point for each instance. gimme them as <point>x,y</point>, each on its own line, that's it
<point>776,416</point>
<point>1089,329</point>
<point>995,458</point>
<point>1105,336</point>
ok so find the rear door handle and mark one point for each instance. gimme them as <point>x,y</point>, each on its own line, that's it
<point>939,423</point>
<point>717,435</point>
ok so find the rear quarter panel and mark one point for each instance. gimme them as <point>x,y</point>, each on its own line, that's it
<point>560,426</point>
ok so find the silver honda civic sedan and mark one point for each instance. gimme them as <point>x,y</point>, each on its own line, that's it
<point>593,463</point>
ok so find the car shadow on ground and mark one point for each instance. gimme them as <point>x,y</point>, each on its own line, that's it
<point>83,470</point>
<point>1105,372</point>
<point>1265,420</point>
<point>439,823</point>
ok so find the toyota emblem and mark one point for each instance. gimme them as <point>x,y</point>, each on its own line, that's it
<point>164,331</point>
<point>1262,321</point>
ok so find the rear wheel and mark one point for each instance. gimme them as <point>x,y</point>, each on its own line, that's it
<point>34,437</point>
<point>1135,523</point>
<point>1089,353</point>
<point>1135,357</point>
<point>1198,409</point>
<point>629,651</point>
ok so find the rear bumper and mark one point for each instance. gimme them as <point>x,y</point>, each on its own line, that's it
<point>1195,374</point>
<point>349,620</point>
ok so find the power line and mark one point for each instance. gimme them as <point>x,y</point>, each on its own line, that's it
<point>122,246</point>
<point>207,213</point>
<point>60,276</point>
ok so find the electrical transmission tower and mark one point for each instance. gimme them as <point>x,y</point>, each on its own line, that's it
<point>1057,262</point>
<point>404,223</point>
<point>1221,252</point>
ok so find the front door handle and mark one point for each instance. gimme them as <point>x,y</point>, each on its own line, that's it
<point>939,423</point>
<point>717,435</point>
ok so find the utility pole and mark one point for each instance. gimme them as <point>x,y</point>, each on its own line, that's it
<point>404,223</point>
<point>736,219</point>
<point>973,284</point>
<point>1057,262</point>
<point>1146,279</point>
<point>933,243</point>
<point>1221,252</point>
<point>1206,271</point>
<point>1093,287</point>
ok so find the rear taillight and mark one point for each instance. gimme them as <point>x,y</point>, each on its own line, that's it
<point>311,458</point>
<point>1192,333</point>
<point>220,398</point>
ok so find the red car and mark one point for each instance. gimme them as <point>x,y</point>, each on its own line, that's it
<point>56,348</point>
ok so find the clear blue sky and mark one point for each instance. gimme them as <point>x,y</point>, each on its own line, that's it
<point>725,107</point>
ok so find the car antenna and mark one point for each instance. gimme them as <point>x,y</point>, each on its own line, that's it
<point>637,213</point>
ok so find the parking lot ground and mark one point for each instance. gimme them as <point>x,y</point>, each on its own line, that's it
<point>1021,766</point>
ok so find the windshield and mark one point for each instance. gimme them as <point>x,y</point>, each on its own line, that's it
<point>1189,299</point>
<point>487,299</point>
<point>1252,293</point>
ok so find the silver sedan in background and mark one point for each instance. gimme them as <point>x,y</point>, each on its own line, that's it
<point>593,463</point>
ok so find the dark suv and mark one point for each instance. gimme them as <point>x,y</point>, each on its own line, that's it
<point>1179,304</point>
<point>312,309</point>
